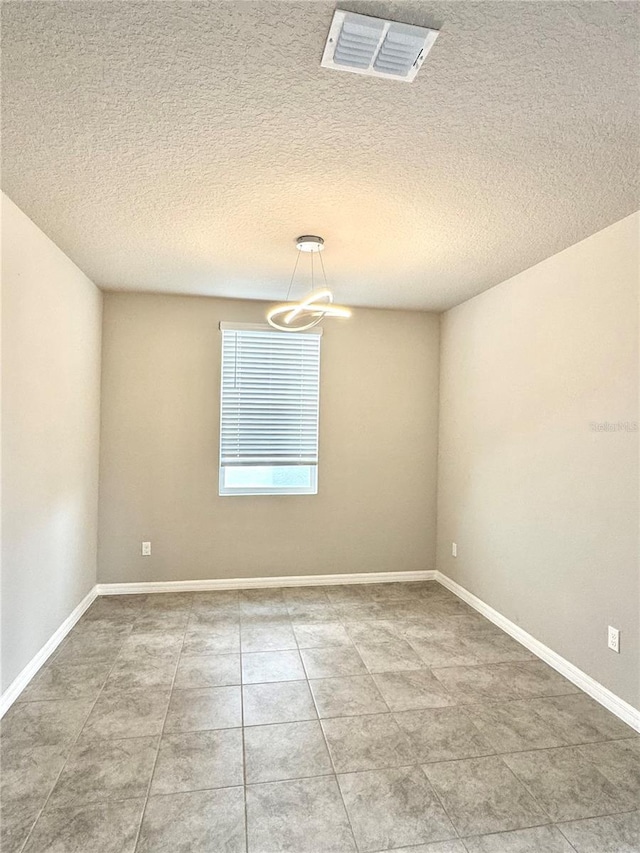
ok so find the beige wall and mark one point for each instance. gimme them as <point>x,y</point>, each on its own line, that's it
<point>51,326</point>
<point>375,510</point>
<point>543,508</point>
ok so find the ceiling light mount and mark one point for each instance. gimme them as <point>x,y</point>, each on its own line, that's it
<point>309,243</point>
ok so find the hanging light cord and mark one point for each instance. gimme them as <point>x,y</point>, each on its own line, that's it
<point>323,272</point>
<point>295,267</point>
<point>293,275</point>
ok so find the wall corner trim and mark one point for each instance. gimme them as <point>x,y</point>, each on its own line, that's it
<point>20,682</point>
<point>623,710</point>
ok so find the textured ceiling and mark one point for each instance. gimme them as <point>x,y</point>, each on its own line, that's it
<point>181,146</point>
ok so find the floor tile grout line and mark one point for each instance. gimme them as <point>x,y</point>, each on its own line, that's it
<point>337,773</point>
<point>101,802</point>
<point>244,753</point>
<point>393,712</point>
<point>527,789</point>
<point>162,728</point>
<point>71,747</point>
<point>558,825</point>
<point>482,703</point>
<point>330,774</point>
<point>337,781</point>
<point>601,771</point>
<point>506,701</point>
<point>442,805</point>
<point>593,764</point>
<point>509,831</point>
<point>418,708</point>
<point>420,762</point>
<point>464,838</point>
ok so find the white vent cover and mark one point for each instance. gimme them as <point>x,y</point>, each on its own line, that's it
<point>376,47</point>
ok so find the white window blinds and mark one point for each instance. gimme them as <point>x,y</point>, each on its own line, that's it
<point>269,399</point>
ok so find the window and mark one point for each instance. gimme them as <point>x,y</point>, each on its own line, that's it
<point>269,411</point>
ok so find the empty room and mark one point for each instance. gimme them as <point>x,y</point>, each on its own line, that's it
<point>319,412</point>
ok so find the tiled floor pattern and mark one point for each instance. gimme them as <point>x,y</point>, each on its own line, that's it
<point>310,720</point>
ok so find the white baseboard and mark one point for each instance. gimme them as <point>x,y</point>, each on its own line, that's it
<point>20,682</point>
<point>626,712</point>
<point>262,583</point>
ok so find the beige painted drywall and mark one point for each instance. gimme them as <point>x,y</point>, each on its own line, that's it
<point>160,438</point>
<point>51,330</point>
<point>542,505</point>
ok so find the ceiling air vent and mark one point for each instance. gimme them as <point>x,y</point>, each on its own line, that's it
<point>375,47</point>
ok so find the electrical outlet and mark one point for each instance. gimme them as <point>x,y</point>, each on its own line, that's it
<point>613,639</point>
<point>146,549</point>
<point>454,549</point>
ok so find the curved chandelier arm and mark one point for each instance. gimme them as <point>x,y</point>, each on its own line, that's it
<point>273,319</point>
<point>313,309</point>
<point>309,300</point>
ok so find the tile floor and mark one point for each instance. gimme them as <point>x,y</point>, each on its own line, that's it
<point>310,720</point>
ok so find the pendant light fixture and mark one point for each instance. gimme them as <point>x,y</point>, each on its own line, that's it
<point>308,312</point>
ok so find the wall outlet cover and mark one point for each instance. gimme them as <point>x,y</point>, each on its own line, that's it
<point>146,549</point>
<point>613,639</point>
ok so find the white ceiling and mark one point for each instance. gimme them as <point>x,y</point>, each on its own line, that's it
<point>181,146</point>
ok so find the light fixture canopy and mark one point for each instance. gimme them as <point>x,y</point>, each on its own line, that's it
<point>308,312</point>
<point>309,243</point>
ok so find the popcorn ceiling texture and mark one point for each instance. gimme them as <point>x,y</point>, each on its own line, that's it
<point>181,146</point>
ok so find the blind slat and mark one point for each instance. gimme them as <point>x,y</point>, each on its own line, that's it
<point>269,399</point>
